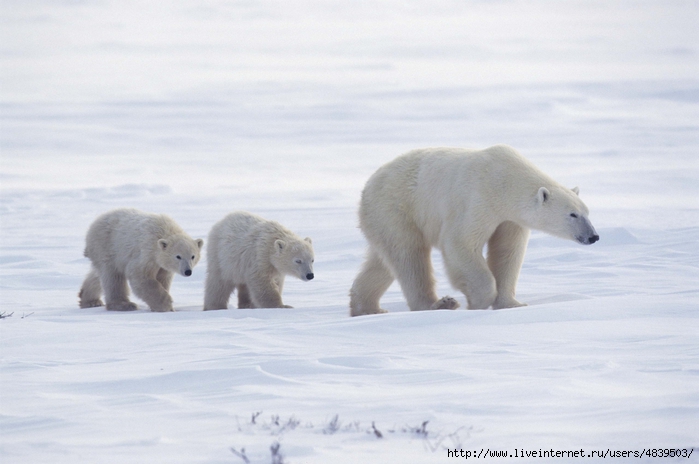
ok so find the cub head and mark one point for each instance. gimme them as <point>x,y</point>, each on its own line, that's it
<point>179,254</point>
<point>560,212</point>
<point>294,257</point>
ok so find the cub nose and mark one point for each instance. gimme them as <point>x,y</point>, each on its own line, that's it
<point>594,238</point>
<point>309,276</point>
<point>188,273</point>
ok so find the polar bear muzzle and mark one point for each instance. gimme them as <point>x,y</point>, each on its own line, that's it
<point>587,235</point>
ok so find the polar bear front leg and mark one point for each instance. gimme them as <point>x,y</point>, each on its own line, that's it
<point>371,283</point>
<point>165,278</point>
<point>151,291</point>
<point>506,248</point>
<point>468,271</point>
<point>266,294</point>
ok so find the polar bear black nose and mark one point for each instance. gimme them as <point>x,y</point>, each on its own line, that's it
<point>593,239</point>
<point>309,276</point>
<point>188,273</point>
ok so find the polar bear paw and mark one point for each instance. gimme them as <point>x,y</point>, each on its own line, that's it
<point>163,309</point>
<point>91,303</point>
<point>365,312</point>
<point>508,303</point>
<point>446,302</point>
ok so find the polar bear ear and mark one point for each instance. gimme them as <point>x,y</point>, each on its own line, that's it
<point>308,239</point>
<point>200,243</point>
<point>543,195</point>
<point>162,243</point>
<point>279,245</point>
<point>576,190</point>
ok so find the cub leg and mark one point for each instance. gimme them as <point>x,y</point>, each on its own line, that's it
<point>91,290</point>
<point>151,291</point>
<point>116,290</point>
<point>165,278</point>
<point>279,282</point>
<point>244,300</point>
<point>217,292</point>
<point>265,294</point>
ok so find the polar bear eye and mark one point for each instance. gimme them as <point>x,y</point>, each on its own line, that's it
<point>192,256</point>
<point>298,261</point>
<point>573,215</point>
<point>178,257</point>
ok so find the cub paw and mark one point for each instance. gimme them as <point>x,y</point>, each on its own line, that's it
<point>91,303</point>
<point>354,312</point>
<point>122,306</point>
<point>164,309</point>
<point>511,303</point>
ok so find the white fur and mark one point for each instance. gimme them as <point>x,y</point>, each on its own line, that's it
<point>458,200</point>
<point>141,248</point>
<point>253,255</point>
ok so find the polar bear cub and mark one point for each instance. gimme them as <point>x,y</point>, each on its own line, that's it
<point>457,200</point>
<point>253,255</point>
<point>141,248</point>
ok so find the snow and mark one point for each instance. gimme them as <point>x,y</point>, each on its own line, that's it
<point>285,109</point>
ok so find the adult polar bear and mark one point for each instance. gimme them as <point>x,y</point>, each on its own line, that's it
<point>458,200</point>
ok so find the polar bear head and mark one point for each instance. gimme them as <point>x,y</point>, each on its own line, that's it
<point>294,257</point>
<point>560,212</point>
<point>179,254</point>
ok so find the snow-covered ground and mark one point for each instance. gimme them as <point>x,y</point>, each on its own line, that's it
<point>285,109</point>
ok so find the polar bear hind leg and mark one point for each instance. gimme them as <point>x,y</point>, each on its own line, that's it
<point>413,270</point>
<point>371,283</point>
<point>91,291</point>
<point>116,290</point>
<point>468,272</point>
<point>244,300</point>
<point>218,290</point>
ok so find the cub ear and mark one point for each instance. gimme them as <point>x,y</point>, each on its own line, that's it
<point>308,239</point>
<point>576,190</point>
<point>279,245</point>
<point>200,243</point>
<point>162,243</point>
<point>543,195</point>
